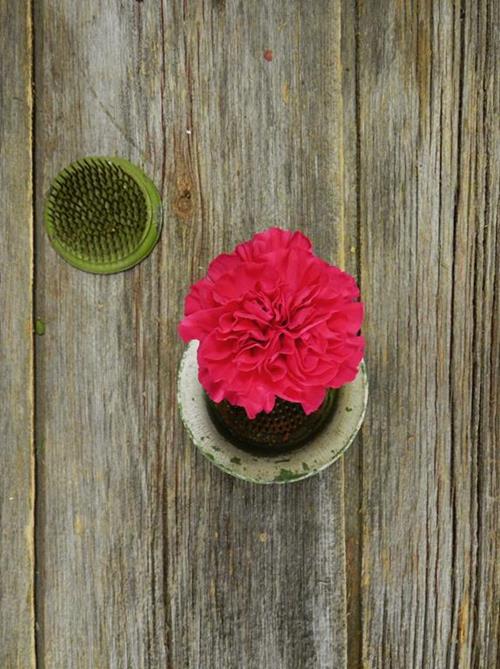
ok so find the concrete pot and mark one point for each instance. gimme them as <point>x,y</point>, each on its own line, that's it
<point>309,459</point>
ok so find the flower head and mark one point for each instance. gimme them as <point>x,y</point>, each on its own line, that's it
<point>274,320</point>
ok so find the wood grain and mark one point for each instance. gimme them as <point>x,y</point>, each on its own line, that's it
<point>100,540</point>
<point>148,556</point>
<point>372,126</point>
<point>428,189</point>
<point>257,575</point>
<point>16,341</point>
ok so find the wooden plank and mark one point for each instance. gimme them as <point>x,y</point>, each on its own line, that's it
<point>382,117</point>
<point>258,574</point>
<point>100,536</point>
<point>475,328</point>
<point>428,171</point>
<point>148,555</point>
<point>351,255</point>
<point>16,341</point>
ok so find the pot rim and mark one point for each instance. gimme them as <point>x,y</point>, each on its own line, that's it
<point>301,463</point>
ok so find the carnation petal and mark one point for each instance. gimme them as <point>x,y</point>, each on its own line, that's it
<point>224,263</point>
<point>200,297</point>
<point>198,324</point>
<point>233,285</point>
<point>347,319</point>
<point>214,348</point>
<point>315,398</point>
<point>274,321</point>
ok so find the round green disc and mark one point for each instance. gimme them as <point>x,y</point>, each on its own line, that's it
<point>103,215</point>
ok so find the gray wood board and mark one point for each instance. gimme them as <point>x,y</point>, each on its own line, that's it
<point>149,556</point>
<point>428,190</point>
<point>372,126</point>
<point>16,341</point>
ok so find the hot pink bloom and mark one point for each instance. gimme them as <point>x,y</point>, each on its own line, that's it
<point>274,320</point>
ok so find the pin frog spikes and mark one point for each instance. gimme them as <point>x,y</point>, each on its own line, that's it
<point>284,428</point>
<point>103,215</point>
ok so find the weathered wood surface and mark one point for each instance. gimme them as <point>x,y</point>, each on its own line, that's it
<point>428,219</point>
<point>169,566</point>
<point>372,126</point>
<point>17,631</point>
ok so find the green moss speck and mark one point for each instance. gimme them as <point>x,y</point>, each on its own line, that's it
<point>210,456</point>
<point>305,466</point>
<point>287,475</point>
<point>39,327</point>
<point>348,408</point>
<point>236,461</point>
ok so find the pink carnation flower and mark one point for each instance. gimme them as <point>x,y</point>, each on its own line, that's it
<point>274,320</point>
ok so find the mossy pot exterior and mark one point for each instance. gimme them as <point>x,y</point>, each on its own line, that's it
<point>304,461</point>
